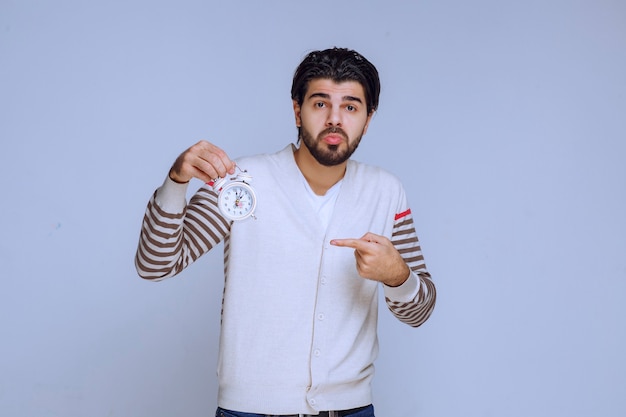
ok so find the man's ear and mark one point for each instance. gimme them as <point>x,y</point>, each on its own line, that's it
<point>296,113</point>
<point>367,122</point>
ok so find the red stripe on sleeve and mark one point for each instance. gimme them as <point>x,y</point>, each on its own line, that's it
<point>403,214</point>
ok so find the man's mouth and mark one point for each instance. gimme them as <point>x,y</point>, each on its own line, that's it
<point>333,139</point>
<point>333,136</point>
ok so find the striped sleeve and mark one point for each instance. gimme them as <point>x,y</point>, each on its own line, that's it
<point>418,308</point>
<point>169,242</point>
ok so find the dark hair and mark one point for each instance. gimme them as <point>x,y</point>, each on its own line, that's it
<point>339,65</point>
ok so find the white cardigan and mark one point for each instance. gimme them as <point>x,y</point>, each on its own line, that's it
<point>298,323</point>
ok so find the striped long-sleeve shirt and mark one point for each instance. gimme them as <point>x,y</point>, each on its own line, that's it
<point>298,323</point>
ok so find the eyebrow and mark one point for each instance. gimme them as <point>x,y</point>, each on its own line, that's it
<point>344,98</point>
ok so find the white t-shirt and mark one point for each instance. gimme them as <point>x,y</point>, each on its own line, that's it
<point>323,204</point>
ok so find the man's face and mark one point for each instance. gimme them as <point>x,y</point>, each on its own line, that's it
<point>332,119</point>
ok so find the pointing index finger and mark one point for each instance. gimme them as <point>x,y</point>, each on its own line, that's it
<point>343,242</point>
<point>358,244</point>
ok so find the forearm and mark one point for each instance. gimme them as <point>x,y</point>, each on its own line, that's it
<point>414,301</point>
<point>174,234</point>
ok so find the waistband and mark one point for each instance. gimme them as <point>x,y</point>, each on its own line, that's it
<point>338,413</point>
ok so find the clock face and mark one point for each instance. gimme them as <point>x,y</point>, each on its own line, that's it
<point>237,201</point>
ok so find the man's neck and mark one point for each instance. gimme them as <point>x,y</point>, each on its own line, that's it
<point>320,177</point>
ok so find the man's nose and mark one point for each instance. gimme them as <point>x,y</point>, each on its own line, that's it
<point>334,117</point>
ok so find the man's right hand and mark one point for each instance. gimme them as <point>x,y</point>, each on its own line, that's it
<point>204,161</point>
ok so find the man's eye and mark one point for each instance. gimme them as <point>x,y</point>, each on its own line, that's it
<point>350,108</point>
<point>319,104</point>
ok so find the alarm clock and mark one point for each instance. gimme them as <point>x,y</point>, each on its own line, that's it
<point>236,199</point>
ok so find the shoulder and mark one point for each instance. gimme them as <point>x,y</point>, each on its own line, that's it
<point>373,176</point>
<point>260,161</point>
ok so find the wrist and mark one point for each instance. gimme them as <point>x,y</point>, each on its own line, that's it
<point>399,281</point>
<point>175,178</point>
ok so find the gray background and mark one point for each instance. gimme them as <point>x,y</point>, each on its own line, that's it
<point>505,120</point>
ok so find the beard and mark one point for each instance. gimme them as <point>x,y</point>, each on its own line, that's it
<point>328,155</point>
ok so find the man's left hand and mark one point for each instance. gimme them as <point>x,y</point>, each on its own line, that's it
<point>377,259</point>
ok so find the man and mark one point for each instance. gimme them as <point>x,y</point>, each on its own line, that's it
<point>300,308</point>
